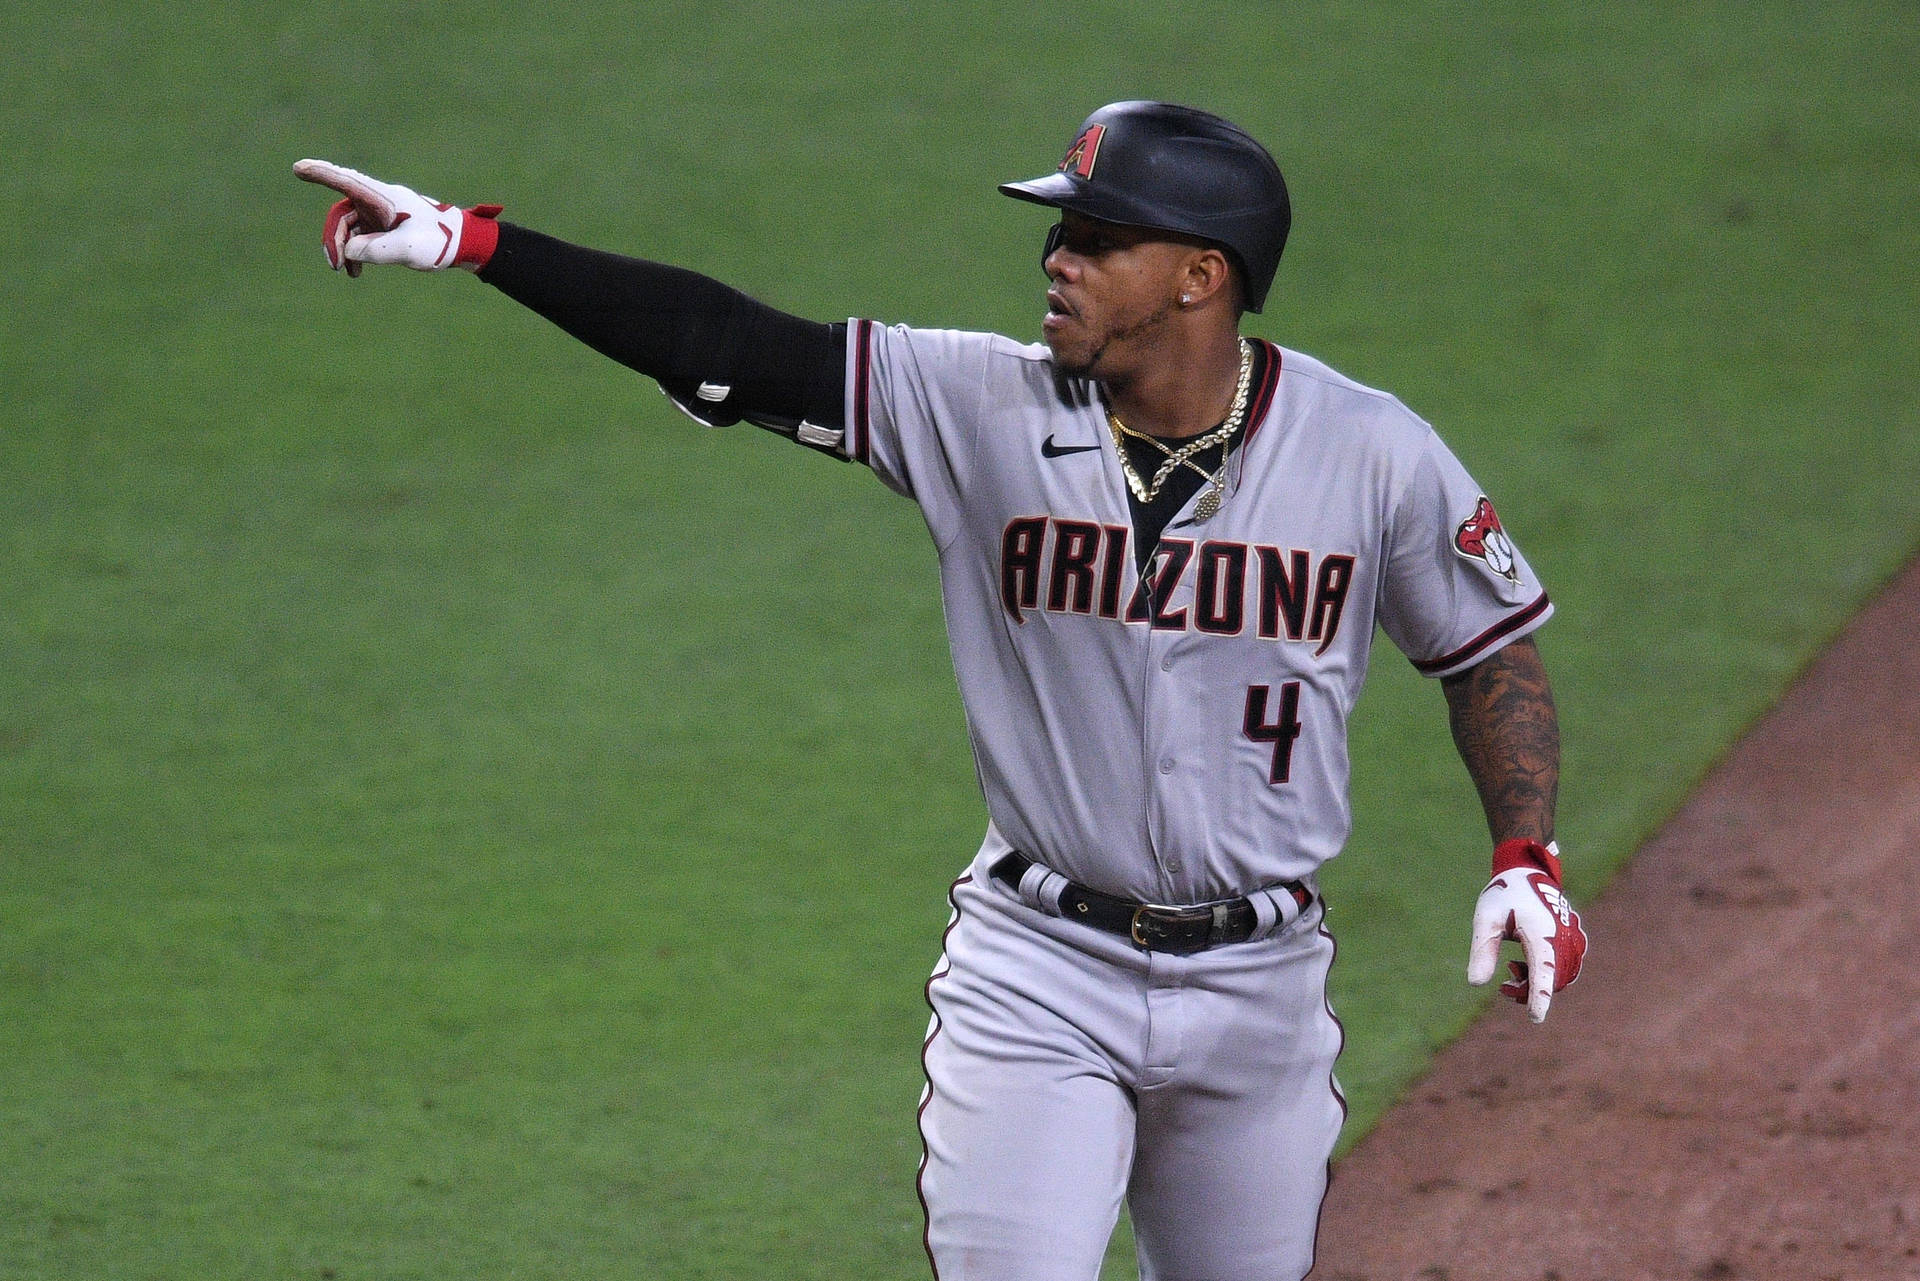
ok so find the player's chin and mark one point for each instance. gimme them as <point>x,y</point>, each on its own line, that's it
<point>1073,354</point>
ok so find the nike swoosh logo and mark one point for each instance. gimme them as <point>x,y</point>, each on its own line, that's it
<point>1051,450</point>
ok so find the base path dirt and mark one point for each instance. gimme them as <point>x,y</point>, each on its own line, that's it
<point>1732,1089</point>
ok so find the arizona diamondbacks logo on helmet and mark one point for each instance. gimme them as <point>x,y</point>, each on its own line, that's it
<point>1084,151</point>
<point>1481,538</point>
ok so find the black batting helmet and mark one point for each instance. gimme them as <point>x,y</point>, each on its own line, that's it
<point>1152,164</point>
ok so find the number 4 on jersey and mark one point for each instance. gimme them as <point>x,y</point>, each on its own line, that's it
<point>1284,729</point>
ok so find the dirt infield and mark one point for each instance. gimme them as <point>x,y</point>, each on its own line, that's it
<point>1732,1090</point>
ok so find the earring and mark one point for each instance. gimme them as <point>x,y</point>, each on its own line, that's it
<point>1186,300</point>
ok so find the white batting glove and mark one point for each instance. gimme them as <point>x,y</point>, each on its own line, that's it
<point>383,222</point>
<point>1524,902</point>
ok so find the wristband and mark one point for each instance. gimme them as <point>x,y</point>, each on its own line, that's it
<point>479,236</point>
<point>1508,855</point>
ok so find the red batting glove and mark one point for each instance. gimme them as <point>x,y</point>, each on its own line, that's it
<point>1524,902</point>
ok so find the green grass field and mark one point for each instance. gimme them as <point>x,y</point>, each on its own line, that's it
<point>459,820</point>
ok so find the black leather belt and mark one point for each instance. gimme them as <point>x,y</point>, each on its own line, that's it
<point>1179,930</point>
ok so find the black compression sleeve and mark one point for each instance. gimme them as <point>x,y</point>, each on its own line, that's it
<point>677,326</point>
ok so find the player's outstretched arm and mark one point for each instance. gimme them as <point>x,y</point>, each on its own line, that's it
<point>719,355</point>
<point>1508,734</point>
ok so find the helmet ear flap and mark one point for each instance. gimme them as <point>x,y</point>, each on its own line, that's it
<point>1055,234</point>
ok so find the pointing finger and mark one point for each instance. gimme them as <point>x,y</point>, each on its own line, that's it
<point>367,195</point>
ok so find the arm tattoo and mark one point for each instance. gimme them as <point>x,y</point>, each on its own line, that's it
<point>1503,721</point>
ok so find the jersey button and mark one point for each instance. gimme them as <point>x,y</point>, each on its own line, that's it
<point>1166,764</point>
<point>1166,664</point>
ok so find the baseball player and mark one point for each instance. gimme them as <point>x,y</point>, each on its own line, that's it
<point>1164,549</point>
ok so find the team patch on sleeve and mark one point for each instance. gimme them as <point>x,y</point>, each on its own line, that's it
<point>1480,537</point>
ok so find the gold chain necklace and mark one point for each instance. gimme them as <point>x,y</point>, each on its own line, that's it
<point>1209,503</point>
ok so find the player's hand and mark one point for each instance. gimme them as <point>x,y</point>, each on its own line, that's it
<point>1524,902</point>
<point>383,222</point>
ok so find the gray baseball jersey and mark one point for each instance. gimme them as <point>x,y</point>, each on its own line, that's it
<point>1177,736</point>
<point>1168,728</point>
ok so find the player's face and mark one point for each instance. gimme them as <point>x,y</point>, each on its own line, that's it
<point>1112,291</point>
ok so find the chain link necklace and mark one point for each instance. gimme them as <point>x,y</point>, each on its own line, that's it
<point>1209,503</point>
